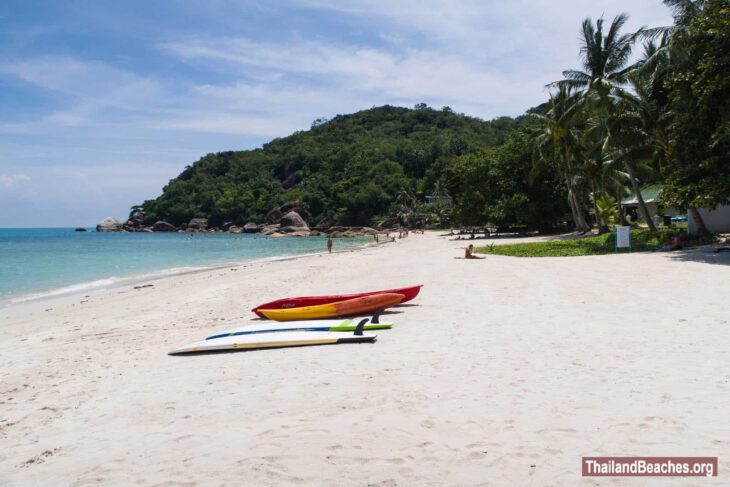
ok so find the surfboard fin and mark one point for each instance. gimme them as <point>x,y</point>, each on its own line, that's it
<point>376,317</point>
<point>360,327</point>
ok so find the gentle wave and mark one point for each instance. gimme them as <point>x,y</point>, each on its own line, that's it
<point>113,281</point>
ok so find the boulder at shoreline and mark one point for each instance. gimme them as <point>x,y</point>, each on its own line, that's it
<point>293,220</point>
<point>109,224</point>
<point>199,224</point>
<point>163,226</point>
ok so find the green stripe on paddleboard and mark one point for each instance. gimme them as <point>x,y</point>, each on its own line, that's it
<point>383,326</point>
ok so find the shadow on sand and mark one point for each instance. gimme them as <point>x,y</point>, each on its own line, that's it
<point>706,255</point>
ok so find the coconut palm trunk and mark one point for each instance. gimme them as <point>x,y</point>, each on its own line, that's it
<point>602,226</point>
<point>694,214</point>
<point>578,217</point>
<point>621,216</point>
<point>639,198</point>
<point>573,209</point>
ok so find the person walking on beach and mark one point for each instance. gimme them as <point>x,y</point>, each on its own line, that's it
<point>329,244</point>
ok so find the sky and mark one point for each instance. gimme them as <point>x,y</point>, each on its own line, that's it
<point>102,103</point>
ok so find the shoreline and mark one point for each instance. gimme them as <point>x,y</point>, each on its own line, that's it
<point>502,371</point>
<point>113,282</point>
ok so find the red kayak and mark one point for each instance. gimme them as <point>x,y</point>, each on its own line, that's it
<point>286,303</point>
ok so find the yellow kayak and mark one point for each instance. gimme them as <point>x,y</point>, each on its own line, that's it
<point>350,307</point>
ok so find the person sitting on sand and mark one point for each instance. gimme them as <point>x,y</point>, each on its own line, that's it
<point>469,253</point>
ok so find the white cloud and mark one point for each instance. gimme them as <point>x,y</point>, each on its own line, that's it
<point>120,133</point>
<point>227,122</point>
<point>89,87</point>
<point>484,58</point>
<point>7,181</point>
<point>316,76</point>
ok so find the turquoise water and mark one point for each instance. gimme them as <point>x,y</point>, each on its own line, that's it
<point>38,260</point>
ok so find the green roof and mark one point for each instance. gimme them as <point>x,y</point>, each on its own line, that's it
<point>649,193</point>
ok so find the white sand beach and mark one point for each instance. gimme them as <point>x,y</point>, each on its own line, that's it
<point>503,371</point>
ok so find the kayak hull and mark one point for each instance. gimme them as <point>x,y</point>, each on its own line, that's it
<point>409,293</point>
<point>349,307</point>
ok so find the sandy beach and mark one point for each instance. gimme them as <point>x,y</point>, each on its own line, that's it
<point>503,371</point>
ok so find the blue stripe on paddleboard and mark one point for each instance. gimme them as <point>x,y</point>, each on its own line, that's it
<point>315,328</point>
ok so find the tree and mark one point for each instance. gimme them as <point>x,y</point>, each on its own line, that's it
<point>557,143</point>
<point>605,73</point>
<point>698,171</point>
<point>348,170</point>
<point>499,186</point>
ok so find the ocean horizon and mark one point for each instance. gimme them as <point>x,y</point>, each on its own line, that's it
<point>37,262</point>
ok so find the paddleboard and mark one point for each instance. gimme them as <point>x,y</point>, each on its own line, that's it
<point>283,339</point>
<point>313,325</point>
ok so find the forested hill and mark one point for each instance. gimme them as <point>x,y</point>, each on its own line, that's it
<point>349,170</point>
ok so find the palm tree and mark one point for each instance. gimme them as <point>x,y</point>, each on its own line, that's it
<point>605,73</point>
<point>605,59</point>
<point>599,171</point>
<point>675,36</point>
<point>559,141</point>
<point>406,199</point>
<point>684,9</point>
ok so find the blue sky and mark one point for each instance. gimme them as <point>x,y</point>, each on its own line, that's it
<point>104,102</point>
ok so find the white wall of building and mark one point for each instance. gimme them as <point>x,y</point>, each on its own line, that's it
<point>716,221</point>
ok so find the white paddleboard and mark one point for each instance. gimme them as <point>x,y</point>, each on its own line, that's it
<point>274,340</point>
<point>338,325</point>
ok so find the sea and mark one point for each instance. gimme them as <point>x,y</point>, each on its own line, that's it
<point>37,262</point>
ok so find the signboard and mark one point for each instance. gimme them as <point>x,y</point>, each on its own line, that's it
<point>623,237</point>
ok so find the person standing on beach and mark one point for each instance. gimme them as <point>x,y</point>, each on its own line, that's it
<point>329,244</point>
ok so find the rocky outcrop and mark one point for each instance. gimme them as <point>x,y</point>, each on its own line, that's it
<point>109,224</point>
<point>389,223</point>
<point>277,213</point>
<point>273,215</point>
<point>163,226</point>
<point>299,233</point>
<point>323,224</point>
<point>270,229</point>
<point>338,232</point>
<point>294,220</point>
<point>235,229</point>
<point>292,180</point>
<point>198,224</point>
<point>250,227</point>
<point>134,223</point>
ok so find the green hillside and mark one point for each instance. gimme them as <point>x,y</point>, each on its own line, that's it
<point>353,168</point>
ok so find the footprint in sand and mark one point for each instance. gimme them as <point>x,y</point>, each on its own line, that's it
<point>428,423</point>
<point>383,483</point>
<point>40,458</point>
